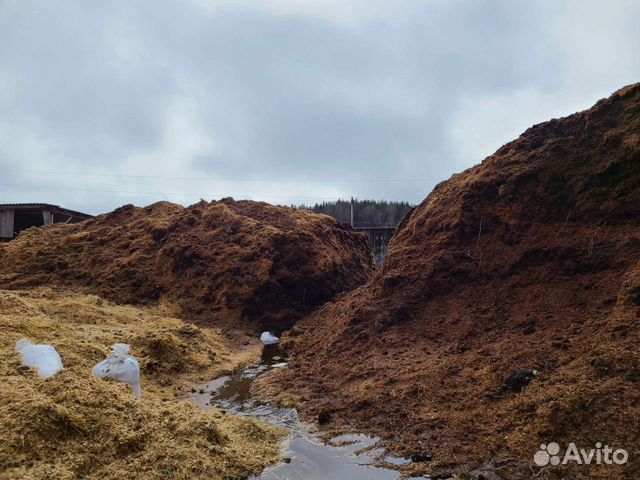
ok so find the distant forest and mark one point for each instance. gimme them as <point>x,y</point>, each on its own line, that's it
<point>366,213</point>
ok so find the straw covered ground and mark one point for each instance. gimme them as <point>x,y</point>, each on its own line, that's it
<point>74,425</point>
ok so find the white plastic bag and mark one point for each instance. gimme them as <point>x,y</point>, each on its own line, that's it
<point>268,339</point>
<point>44,358</point>
<point>121,367</point>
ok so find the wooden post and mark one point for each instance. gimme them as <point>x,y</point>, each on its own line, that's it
<point>6,223</point>
<point>351,212</point>
<point>47,217</point>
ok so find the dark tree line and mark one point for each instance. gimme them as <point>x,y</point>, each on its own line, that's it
<point>370,213</point>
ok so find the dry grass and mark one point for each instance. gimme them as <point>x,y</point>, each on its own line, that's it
<point>76,426</point>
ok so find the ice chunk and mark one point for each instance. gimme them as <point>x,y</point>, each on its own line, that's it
<point>44,358</point>
<point>268,339</point>
<point>121,367</point>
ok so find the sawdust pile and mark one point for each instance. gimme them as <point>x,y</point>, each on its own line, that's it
<point>74,425</point>
<point>221,262</point>
<point>528,261</point>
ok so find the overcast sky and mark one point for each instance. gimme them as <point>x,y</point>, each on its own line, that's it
<point>104,103</point>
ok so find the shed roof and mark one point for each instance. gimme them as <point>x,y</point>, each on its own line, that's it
<point>37,206</point>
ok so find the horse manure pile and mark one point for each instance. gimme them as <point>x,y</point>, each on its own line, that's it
<point>505,316</point>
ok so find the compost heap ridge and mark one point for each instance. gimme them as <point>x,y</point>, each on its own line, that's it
<point>528,261</point>
<point>221,262</point>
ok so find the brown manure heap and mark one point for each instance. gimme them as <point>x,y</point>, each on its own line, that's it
<point>527,261</point>
<point>221,262</point>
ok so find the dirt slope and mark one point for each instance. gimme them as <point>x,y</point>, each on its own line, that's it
<point>220,262</point>
<point>530,260</point>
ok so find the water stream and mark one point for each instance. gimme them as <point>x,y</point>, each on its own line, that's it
<point>345,457</point>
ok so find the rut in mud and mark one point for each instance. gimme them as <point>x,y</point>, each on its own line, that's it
<point>308,455</point>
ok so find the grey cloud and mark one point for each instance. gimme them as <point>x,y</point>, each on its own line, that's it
<point>257,91</point>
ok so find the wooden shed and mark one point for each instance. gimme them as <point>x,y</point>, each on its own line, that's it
<point>15,217</point>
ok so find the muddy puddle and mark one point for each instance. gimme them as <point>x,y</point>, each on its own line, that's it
<point>353,457</point>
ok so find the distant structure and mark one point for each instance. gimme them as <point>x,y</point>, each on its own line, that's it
<point>379,238</point>
<point>377,218</point>
<point>15,217</point>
